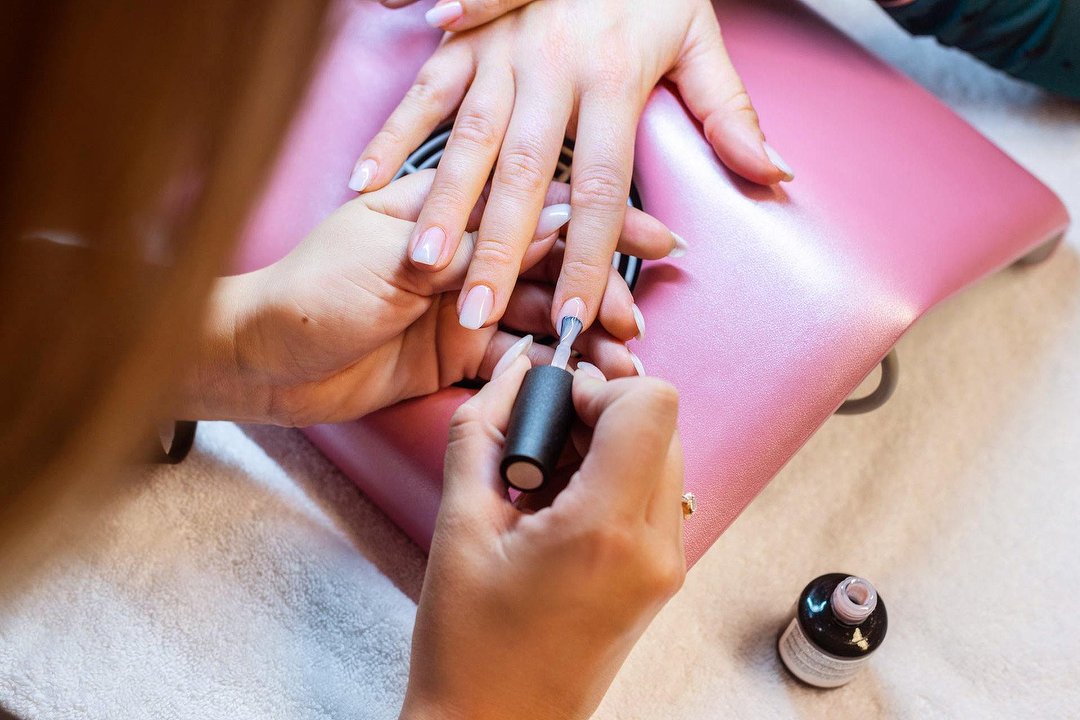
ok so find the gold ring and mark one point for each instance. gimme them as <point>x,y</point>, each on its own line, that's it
<point>689,505</point>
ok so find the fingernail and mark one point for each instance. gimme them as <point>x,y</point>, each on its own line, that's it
<point>443,14</point>
<point>590,370</point>
<point>513,353</point>
<point>778,161</point>
<point>551,219</point>
<point>429,246</point>
<point>639,319</point>
<point>477,307</point>
<point>362,174</point>
<point>637,364</point>
<point>679,248</point>
<point>574,307</point>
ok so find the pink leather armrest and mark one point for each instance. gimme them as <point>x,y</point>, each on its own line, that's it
<point>788,296</point>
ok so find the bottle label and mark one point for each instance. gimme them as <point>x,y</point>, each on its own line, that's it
<point>810,664</point>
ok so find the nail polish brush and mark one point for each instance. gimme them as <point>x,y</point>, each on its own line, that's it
<point>541,418</point>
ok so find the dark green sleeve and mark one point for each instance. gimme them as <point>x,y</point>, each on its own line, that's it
<point>1034,40</point>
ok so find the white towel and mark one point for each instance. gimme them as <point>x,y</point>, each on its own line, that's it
<point>243,583</point>
<point>234,585</point>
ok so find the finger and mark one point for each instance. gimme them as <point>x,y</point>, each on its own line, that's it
<point>458,15</point>
<point>600,185</point>
<point>436,92</point>
<point>452,277</point>
<point>466,163</point>
<point>476,438</point>
<point>642,235</point>
<point>618,314</point>
<point>633,422</point>
<point>528,310</point>
<point>404,198</point>
<point>715,94</point>
<point>524,170</point>
<point>498,351</point>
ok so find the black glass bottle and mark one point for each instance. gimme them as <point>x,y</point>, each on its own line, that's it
<point>839,621</point>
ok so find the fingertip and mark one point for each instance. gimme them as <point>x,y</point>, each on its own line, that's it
<point>444,14</point>
<point>787,174</point>
<point>364,171</point>
<point>748,155</point>
<point>589,372</point>
<point>515,352</point>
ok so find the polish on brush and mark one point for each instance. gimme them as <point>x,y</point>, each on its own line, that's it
<point>541,418</point>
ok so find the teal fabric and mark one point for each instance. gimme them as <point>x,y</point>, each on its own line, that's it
<point>1034,40</point>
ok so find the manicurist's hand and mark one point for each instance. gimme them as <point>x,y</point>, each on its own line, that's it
<point>345,324</point>
<point>524,80</point>
<point>531,615</point>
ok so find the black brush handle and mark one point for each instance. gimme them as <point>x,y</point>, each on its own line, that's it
<point>539,427</point>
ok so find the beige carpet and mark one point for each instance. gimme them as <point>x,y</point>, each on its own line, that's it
<point>255,581</point>
<point>960,498</point>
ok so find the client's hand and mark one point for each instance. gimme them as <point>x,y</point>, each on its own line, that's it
<point>531,615</point>
<point>521,82</point>
<point>345,325</point>
<point>458,15</point>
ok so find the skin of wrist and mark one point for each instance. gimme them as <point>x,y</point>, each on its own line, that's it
<point>219,386</point>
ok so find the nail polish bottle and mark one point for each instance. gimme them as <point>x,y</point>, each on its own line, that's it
<point>541,418</point>
<point>840,620</point>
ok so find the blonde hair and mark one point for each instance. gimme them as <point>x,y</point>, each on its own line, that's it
<point>133,138</point>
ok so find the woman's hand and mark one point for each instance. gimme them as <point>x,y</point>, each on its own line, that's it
<point>345,325</point>
<point>458,15</point>
<point>531,615</point>
<point>521,82</point>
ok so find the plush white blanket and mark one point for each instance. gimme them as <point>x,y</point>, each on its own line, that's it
<point>254,581</point>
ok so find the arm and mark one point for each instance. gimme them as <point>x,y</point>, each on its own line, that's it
<point>345,325</point>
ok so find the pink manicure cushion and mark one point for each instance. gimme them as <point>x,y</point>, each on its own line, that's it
<point>788,296</point>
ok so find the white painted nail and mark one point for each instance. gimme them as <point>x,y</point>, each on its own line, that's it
<point>678,249</point>
<point>551,219</point>
<point>639,319</point>
<point>590,370</point>
<point>512,353</point>
<point>429,246</point>
<point>476,309</point>
<point>778,161</point>
<point>637,364</point>
<point>444,14</point>
<point>362,175</point>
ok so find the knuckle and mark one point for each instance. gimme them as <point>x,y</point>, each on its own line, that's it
<point>669,574</point>
<point>494,254</point>
<point>661,396</point>
<point>599,187</point>
<point>475,128</point>
<point>491,8</point>
<point>463,422</point>
<point>580,272</point>
<point>521,167</point>
<point>617,80</point>
<point>426,91</point>
<point>388,137</point>
<point>739,104</point>
<point>612,543</point>
<point>448,194</point>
